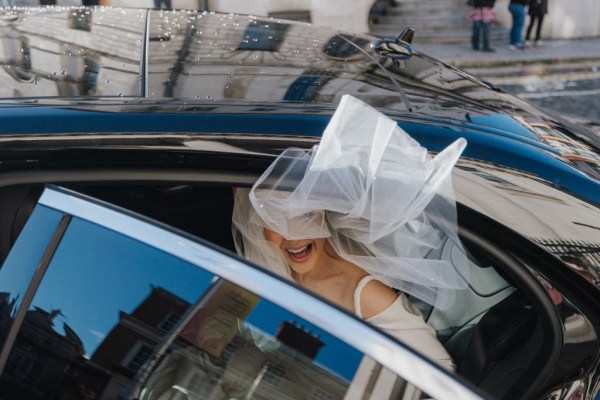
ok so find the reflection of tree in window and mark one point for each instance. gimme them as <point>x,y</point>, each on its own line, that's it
<point>263,36</point>
<point>344,46</point>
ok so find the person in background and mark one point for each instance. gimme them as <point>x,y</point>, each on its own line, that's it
<point>481,17</point>
<point>517,11</point>
<point>537,10</point>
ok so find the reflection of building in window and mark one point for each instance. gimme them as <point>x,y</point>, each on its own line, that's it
<point>261,366</point>
<point>81,19</point>
<point>21,363</point>
<point>18,55</point>
<point>583,257</point>
<point>293,15</point>
<point>44,361</point>
<point>67,52</point>
<point>89,78</point>
<point>570,147</point>
<point>131,342</point>
<point>79,75</point>
<point>218,355</point>
<point>344,46</point>
<point>296,338</point>
<point>229,351</point>
<point>201,385</point>
<point>139,357</point>
<point>320,394</point>
<point>487,176</point>
<point>305,88</point>
<point>263,36</point>
<point>26,55</point>
<point>274,375</point>
<point>170,322</point>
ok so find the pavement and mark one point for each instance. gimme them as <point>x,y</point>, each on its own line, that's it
<point>550,56</point>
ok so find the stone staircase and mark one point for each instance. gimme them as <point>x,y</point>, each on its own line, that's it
<point>435,21</point>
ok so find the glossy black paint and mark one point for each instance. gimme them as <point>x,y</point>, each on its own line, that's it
<point>158,97</point>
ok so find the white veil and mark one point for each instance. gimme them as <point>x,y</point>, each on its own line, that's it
<point>380,199</point>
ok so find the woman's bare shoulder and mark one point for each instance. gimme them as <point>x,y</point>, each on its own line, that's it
<point>376,297</point>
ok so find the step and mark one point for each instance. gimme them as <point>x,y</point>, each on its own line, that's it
<point>440,4</point>
<point>389,30</point>
<point>445,37</point>
<point>424,8</point>
<point>581,69</point>
<point>433,19</point>
<point>423,26</point>
<point>421,7</point>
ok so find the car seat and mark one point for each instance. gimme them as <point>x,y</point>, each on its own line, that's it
<point>16,205</point>
<point>500,348</point>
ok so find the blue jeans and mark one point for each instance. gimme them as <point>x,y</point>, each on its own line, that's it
<point>518,22</point>
<point>483,29</point>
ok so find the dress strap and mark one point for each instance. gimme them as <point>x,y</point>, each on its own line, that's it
<point>358,291</point>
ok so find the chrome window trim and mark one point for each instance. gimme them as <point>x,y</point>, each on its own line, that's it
<point>402,361</point>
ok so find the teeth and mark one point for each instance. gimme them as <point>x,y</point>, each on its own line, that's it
<point>297,251</point>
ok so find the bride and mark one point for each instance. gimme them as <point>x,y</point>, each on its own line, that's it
<point>358,220</point>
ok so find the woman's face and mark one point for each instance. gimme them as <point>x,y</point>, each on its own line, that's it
<point>301,255</point>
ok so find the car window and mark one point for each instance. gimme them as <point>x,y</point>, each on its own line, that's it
<point>113,315</point>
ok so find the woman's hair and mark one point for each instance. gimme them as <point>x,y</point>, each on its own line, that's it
<point>249,239</point>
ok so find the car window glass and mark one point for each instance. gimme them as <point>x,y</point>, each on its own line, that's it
<point>115,317</point>
<point>237,345</point>
<point>19,267</point>
<point>101,308</point>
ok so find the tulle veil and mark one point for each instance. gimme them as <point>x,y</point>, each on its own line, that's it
<point>381,200</point>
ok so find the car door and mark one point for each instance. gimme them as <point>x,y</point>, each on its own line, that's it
<point>99,303</point>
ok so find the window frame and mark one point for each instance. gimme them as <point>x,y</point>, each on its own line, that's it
<point>401,360</point>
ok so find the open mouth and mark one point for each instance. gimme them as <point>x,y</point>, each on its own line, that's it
<point>301,254</point>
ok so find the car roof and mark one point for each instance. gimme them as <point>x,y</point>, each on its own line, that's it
<point>76,64</point>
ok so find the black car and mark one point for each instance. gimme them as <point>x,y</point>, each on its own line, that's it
<point>123,133</point>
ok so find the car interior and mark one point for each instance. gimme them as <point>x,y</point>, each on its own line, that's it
<point>500,332</point>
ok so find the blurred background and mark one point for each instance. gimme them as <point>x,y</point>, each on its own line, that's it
<point>437,19</point>
<point>561,72</point>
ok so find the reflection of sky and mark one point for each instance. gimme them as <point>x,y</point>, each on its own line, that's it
<point>96,273</point>
<point>335,355</point>
<point>25,255</point>
<point>499,121</point>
